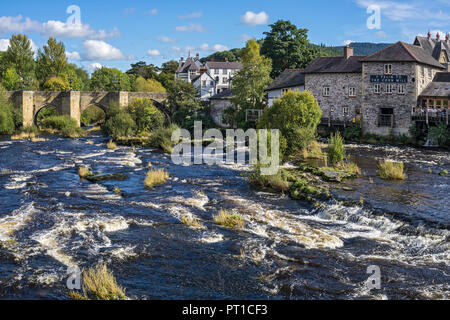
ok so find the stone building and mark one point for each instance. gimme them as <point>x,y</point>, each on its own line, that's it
<point>393,80</point>
<point>336,83</point>
<point>289,80</point>
<point>218,104</point>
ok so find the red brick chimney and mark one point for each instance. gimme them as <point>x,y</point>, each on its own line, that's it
<point>447,37</point>
<point>348,52</point>
<point>429,35</point>
<point>438,36</point>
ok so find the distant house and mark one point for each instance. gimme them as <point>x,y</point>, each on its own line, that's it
<point>289,80</point>
<point>209,79</point>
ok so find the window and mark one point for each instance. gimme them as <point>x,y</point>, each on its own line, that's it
<point>388,69</point>
<point>211,83</point>
<point>204,83</point>
<point>430,73</point>
<point>326,91</point>
<point>216,71</point>
<point>346,111</point>
<point>389,88</point>
<point>422,71</point>
<point>352,92</point>
<point>401,89</point>
<point>284,90</point>
<point>225,71</point>
<point>377,88</point>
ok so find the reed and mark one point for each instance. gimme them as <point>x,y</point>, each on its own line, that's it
<point>390,170</point>
<point>156,177</point>
<point>229,220</point>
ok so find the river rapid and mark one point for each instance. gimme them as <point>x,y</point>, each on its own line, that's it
<point>50,220</point>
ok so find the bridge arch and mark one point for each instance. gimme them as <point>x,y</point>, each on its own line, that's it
<point>38,111</point>
<point>86,116</point>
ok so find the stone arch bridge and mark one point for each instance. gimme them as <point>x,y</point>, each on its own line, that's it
<point>73,103</point>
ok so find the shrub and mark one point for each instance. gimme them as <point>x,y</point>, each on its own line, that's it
<point>439,133</point>
<point>278,182</point>
<point>93,115</point>
<point>84,172</point>
<point>190,221</point>
<point>55,84</point>
<point>120,125</point>
<point>100,284</point>
<point>7,125</point>
<point>162,138</point>
<point>390,170</point>
<point>352,133</point>
<point>336,149</point>
<point>302,189</point>
<point>229,220</point>
<point>146,115</point>
<point>149,85</point>
<point>111,145</point>
<point>156,178</point>
<point>66,126</point>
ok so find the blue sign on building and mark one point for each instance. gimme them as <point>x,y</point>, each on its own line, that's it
<point>388,78</point>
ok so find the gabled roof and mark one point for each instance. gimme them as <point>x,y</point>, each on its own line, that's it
<point>189,65</point>
<point>442,77</point>
<point>224,65</point>
<point>335,65</point>
<point>437,89</point>
<point>200,75</point>
<point>226,94</point>
<point>288,79</point>
<point>403,52</point>
<point>429,45</point>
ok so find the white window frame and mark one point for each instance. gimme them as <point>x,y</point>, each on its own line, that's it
<point>401,89</point>
<point>377,88</point>
<point>389,88</point>
<point>388,69</point>
<point>225,71</point>
<point>346,111</point>
<point>326,91</point>
<point>284,90</point>
<point>352,92</point>
<point>216,71</point>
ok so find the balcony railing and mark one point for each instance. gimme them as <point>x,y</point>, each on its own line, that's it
<point>431,116</point>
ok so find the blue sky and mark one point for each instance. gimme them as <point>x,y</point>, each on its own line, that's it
<point>118,33</point>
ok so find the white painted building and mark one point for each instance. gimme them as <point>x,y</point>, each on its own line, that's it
<point>289,80</point>
<point>209,79</point>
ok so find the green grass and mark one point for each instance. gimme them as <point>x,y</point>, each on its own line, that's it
<point>84,172</point>
<point>229,220</point>
<point>156,178</point>
<point>336,149</point>
<point>162,138</point>
<point>190,221</point>
<point>390,170</point>
<point>99,283</point>
<point>277,183</point>
<point>111,145</point>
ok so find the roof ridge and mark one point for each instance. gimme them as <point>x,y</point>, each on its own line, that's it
<point>369,56</point>
<point>409,51</point>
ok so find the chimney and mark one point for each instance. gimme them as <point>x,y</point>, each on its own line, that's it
<point>348,52</point>
<point>438,36</point>
<point>197,57</point>
<point>212,59</point>
<point>447,37</point>
<point>226,59</point>
<point>181,61</point>
<point>429,35</point>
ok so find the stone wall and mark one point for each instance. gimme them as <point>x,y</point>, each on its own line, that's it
<point>218,106</point>
<point>339,84</point>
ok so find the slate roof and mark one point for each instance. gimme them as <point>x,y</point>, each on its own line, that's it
<point>437,89</point>
<point>403,52</point>
<point>189,65</point>
<point>288,79</point>
<point>432,46</point>
<point>226,94</point>
<point>442,77</point>
<point>224,65</point>
<point>335,65</point>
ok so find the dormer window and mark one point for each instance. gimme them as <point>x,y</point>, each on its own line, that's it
<point>388,69</point>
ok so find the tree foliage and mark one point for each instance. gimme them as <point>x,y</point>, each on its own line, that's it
<point>55,84</point>
<point>296,115</point>
<point>110,79</point>
<point>288,47</point>
<point>146,116</point>
<point>51,61</point>
<point>11,80</point>
<point>251,81</point>
<point>149,85</point>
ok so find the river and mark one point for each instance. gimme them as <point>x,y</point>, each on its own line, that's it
<point>50,219</point>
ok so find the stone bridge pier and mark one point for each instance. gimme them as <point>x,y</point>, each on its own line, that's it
<point>73,103</point>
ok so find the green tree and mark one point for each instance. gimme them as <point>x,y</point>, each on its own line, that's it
<point>55,84</point>
<point>7,124</point>
<point>251,81</point>
<point>296,115</point>
<point>149,85</point>
<point>19,56</point>
<point>288,47</point>
<point>52,61</point>
<point>142,69</point>
<point>167,74</point>
<point>110,79</point>
<point>11,80</point>
<point>146,115</point>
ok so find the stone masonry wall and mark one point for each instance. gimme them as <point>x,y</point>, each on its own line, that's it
<point>339,83</point>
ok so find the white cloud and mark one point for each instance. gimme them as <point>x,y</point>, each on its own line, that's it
<point>75,56</point>
<point>191,28</point>
<point>100,50</point>
<point>153,12</point>
<point>93,66</point>
<point>166,39</point>
<point>153,53</point>
<point>53,28</point>
<point>193,15</point>
<point>348,42</point>
<point>254,19</point>
<point>216,47</point>
<point>220,47</point>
